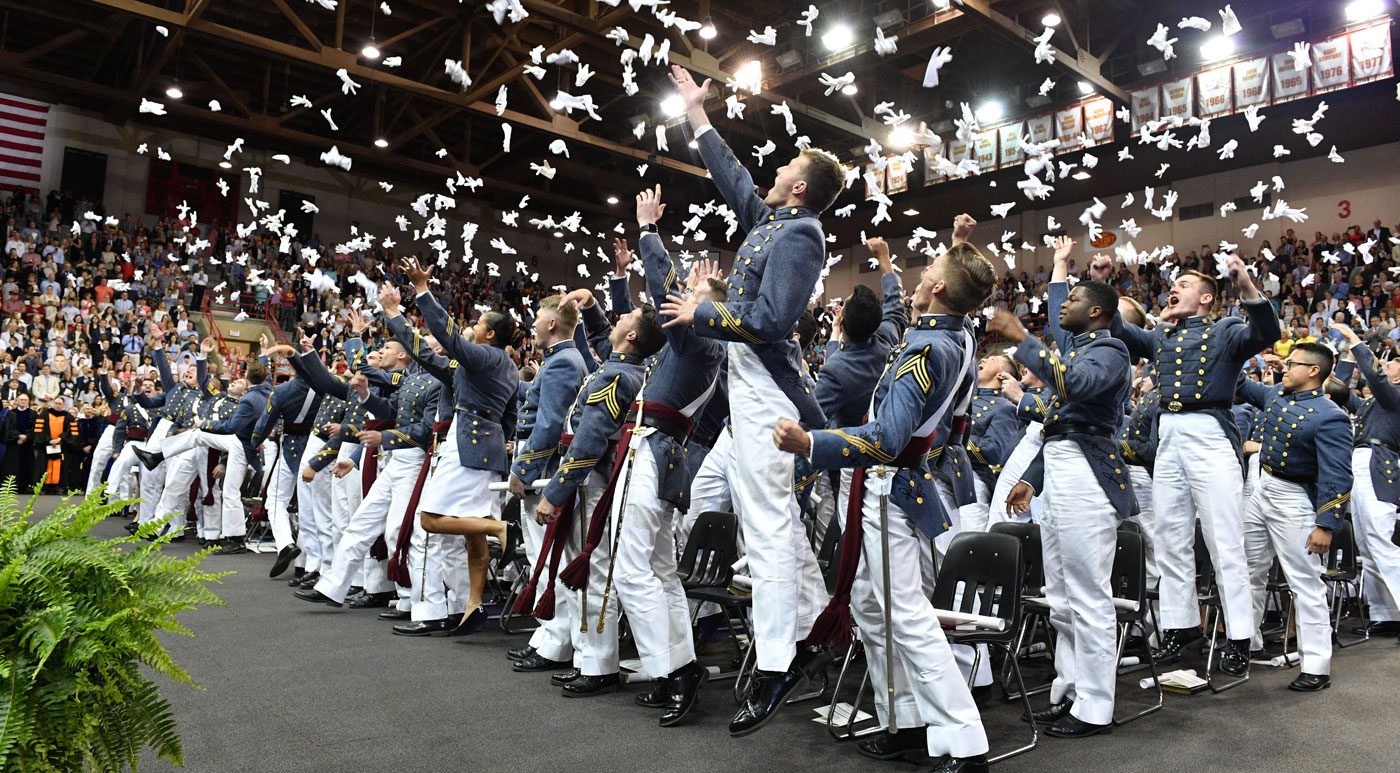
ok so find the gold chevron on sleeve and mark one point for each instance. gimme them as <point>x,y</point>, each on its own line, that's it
<point>608,397</point>
<point>917,366</point>
<point>577,464</point>
<point>530,456</point>
<point>1336,502</point>
<point>1057,371</point>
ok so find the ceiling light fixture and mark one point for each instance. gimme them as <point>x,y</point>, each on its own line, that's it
<point>839,37</point>
<point>708,31</point>
<point>370,51</point>
<point>901,137</point>
<point>672,106</point>
<point>174,92</point>
<point>750,77</point>
<point>612,199</point>
<point>381,143</point>
<point>1217,48</point>
<point>225,165</point>
<point>1360,10</point>
<point>1050,19</point>
<point>990,112</point>
<point>1080,175</point>
<point>911,212</point>
<point>849,89</point>
<point>1085,88</point>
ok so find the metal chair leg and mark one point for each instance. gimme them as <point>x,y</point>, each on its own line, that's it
<point>1217,613</point>
<point>1156,680</point>
<point>1026,705</point>
<point>848,731</point>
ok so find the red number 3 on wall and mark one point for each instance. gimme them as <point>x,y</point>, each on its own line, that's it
<point>1344,209</point>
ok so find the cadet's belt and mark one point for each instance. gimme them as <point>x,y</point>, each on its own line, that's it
<point>378,425</point>
<point>135,433</point>
<point>567,439</point>
<point>915,451</point>
<point>1378,443</point>
<point>1075,428</point>
<point>113,418</point>
<point>1299,479</point>
<point>1177,406</point>
<point>297,430</point>
<point>440,428</point>
<point>664,418</point>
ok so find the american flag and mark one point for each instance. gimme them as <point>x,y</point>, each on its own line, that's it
<point>22,126</point>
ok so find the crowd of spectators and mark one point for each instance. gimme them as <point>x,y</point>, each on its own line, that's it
<point>82,290</point>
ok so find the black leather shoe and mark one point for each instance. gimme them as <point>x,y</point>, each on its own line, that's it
<point>394,613</point>
<point>537,662</point>
<point>1052,712</point>
<point>1174,642</point>
<point>1070,726</point>
<point>767,693</point>
<point>976,764</point>
<point>1379,628</point>
<point>564,677</point>
<point>685,684</point>
<point>132,527</point>
<point>656,696</point>
<point>309,579</point>
<point>469,624</point>
<point>284,560</point>
<point>588,686</point>
<point>520,653</point>
<point>297,574</point>
<point>1234,658</point>
<point>909,744</point>
<point>231,547</point>
<point>370,600</point>
<point>1310,683</point>
<point>421,627</point>
<point>149,459</point>
<point>315,597</point>
<point>451,622</point>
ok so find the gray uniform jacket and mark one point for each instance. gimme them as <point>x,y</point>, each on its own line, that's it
<point>1305,438</point>
<point>541,416</point>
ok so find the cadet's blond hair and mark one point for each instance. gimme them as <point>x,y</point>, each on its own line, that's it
<point>567,315</point>
<point>969,278</point>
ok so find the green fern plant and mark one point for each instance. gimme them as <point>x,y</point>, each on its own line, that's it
<point>78,623</point>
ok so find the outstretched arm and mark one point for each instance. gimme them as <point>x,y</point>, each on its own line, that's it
<point>733,180</point>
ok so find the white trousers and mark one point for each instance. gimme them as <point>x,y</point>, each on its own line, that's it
<point>438,562</point>
<point>180,473</point>
<point>1146,518</point>
<point>1277,522</point>
<point>152,489</point>
<point>278,499</point>
<point>930,688</point>
<point>1198,476</point>
<point>710,488</point>
<point>645,578</point>
<point>788,591</point>
<point>553,639</point>
<point>1021,457</point>
<point>976,516</point>
<point>313,510</point>
<point>101,455</point>
<point>595,651</point>
<point>346,493</point>
<point>233,520</point>
<point>1374,522</point>
<point>380,512</point>
<point>1078,537</point>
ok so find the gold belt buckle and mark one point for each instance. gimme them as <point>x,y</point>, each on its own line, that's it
<point>1174,406</point>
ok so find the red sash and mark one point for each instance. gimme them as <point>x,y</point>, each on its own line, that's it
<point>369,470</point>
<point>135,434</point>
<point>833,625</point>
<point>575,575</point>
<point>398,563</point>
<point>556,536</point>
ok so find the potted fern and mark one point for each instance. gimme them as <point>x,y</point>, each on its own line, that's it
<point>78,645</point>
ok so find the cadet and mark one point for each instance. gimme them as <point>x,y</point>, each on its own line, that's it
<point>1300,498</point>
<point>1090,379</point>
<point>993,434</point>
<point>181,410</point>
<point>293,405</point>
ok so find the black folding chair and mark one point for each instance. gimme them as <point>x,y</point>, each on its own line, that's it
<point>1130,605</point>
<point>1031,584</point>
<point>1208,596</point>
<point>981,575</point>
<point>1343,573</point>
<point>706,570</point>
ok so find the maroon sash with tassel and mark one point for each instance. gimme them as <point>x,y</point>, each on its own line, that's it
<point>369,471</point>
<point>398,562</point>
<point>833,625</point>
<point>556,536</point>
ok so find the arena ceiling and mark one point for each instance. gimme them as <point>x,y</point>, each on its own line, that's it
<point>253,56</point>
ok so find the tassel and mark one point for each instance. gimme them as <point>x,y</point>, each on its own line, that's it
<point>525,602</point>
<point>400,575</point>
<point>545,609</point>
<point>380,549</point>
<point>575,575</point>
<point>833,625</point>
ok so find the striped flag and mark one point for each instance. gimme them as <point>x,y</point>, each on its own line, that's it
<point>22,126</point>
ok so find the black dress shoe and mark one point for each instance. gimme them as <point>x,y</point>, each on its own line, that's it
<point>767,693</point>
<point>1052,712</point>
<point>976,764</point>
<point>685,683</point>
<point>284,560</point>
<point>315,597</point>
<point>1378,628</point>
<point>1070,726</point>
<point>297,574</point>
<point>422,627</point>
<point>520,653</point>
<point>909,744</point>
<point>537,662</point>
<point>1310,683</point>
<point>1174,642</point>
<point>149,459</point>
<point>370,600</point>
<point>394,613</point>
<point>656,696</point>
<point>309,579</point>
<point>452,622</point>
<point>1234,658</point>
<point>564,677</point>
<point>588,686</point>
<point>131,527</point>
<point>231,547</point>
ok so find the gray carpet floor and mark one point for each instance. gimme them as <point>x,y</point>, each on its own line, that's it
<point>288,686</point>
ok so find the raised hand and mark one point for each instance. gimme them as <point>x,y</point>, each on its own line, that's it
<point>206,346</point>
<point>880,250</point>
<point>649,206</point>
<point>390,298</point>
<point>582,296</point>
<point>360,385</point>
<point>1101,268</point>
<point>418,273</point>
<point>307,343</point>
<point>1348,334</point>
<point>962,228</point>
<point>1008,326</point>
<point>1063,247</point>
<point>692,94</point>
<point>359,322</point>
<point>680,309</point>
<point>622,256</point>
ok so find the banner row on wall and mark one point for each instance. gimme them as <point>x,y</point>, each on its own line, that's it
<point>1338,62</point>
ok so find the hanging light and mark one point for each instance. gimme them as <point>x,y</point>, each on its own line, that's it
<point>708,31</point>
<point>381,143</point>
<point>173,91</point>
<point>370,51</point>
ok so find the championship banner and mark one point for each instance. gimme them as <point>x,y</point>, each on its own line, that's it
<point>1213,91</point>
<point>958,150</point>
<point>874,180</point>
<point>1069,125</point>
<point>1009,138</point>
<point>1251,82</point>
<point>1370,54</point>
<point>1289,81</point>
<point>1177,97</point>
<point>985,145</point>
<point>896,175</point>
<point>1147,107</point>
<point>1040,128</point>
<point>932,173</point>
<point>1098,121</point>
<point>1331,64</point>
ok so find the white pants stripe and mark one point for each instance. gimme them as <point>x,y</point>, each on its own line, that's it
<point>1198,476</point>
<point>1277,522</point>
<point>381,511</point>
<point>1374,521</point>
